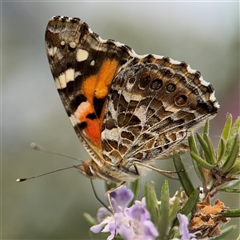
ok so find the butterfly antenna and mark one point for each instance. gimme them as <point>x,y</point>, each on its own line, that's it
<point>58,170</point>
<point>37,147</point>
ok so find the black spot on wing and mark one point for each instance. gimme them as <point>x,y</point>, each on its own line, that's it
<point>98,105</point>
<point>81,126</point>
<point>91,116</point>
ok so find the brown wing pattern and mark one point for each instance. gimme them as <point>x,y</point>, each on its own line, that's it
<point>153,105</point>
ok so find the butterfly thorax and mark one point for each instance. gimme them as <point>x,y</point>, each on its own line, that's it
<point>107,172</point>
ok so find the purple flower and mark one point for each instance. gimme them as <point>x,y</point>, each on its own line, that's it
<point>183,228</point>
<point>130,223</point>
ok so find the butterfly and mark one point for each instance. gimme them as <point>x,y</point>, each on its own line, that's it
<point>127,110</point>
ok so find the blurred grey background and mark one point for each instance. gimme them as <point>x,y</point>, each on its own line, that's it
<point>206,35</point>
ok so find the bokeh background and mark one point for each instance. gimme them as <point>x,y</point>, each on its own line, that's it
<point>206,35</point>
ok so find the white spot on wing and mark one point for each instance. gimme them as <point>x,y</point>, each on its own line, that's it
<point>83,107</point>
<point>62,81</point>
<point>82,55</point>
<point>75,118</point>
<point>72,44</point>
<point>76,74</point>
<point>64,78</point>
<point>70,74</point>
<point>52,51</point>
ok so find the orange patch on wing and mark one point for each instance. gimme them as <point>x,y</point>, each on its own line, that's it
<point>97,86</point>
<point>106,75</point>
<point>92,125</point>
<point>93,132</point>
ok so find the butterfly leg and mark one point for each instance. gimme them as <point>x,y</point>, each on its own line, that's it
<point>109,195</point>
<point>163,172</point>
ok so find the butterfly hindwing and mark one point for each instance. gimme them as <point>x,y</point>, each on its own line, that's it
<point>153,105</point>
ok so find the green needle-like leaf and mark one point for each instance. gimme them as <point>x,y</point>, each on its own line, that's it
<point>191,202</point>
<point>189,205</point>
<point>206,128</point>
<point>174,208</point>
<point>221,149</point>
<point>151,202</point>
<point>232,155</point>
<point>233,132</point>
<point>227,128</point>
<point>164,210</point>
<point>236,168</point>
<point>233,184</point>
<point>205,148</point>
<point>193,148</point>
<point>210,149</point>
<point>229,190</point>
<point>224,137</point>
<point>232,213</point>
<point>235,128</point>
<point>192,144</point>
<point>201,161</point>
<point>182,175</point>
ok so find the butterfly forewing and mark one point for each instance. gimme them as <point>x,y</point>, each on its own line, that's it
<point>83,67</point>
